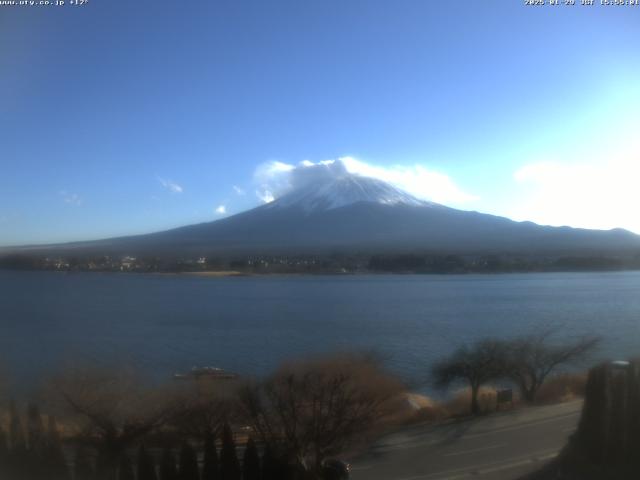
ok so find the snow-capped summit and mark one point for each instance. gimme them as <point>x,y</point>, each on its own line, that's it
<point>329,185</point>
<point>345,190</point>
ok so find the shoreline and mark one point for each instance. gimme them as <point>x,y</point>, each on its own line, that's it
<point>206,274</point>
<point>238,273</point>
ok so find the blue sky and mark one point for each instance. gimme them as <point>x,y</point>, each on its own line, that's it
<point>123,117</point>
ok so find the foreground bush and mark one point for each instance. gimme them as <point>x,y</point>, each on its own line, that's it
<point>316,409</point>
<point>299,416</point>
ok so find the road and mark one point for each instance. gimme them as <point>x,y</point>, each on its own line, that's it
<point>501,446</point>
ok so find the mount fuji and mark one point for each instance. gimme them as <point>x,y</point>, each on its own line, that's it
<point>334,210</point>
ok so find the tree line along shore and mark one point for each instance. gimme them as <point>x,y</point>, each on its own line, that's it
<point>420,263</point>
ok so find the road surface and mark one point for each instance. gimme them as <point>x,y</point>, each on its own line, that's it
<point>502,446</point>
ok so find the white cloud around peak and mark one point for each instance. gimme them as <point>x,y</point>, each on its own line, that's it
<point>265,195</point>
<point>273,179</point>
<point>277,178</point>
<point>418,180</point>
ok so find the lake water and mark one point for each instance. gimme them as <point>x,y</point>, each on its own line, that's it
<point>166,324</point>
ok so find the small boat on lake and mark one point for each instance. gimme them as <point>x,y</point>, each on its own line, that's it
<point>208,373</point>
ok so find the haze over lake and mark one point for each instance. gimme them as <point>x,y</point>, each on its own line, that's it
<point>165,324</point>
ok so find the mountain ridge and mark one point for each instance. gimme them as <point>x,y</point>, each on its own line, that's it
<point>342,211</point>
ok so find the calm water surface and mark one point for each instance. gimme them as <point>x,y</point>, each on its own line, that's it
<point>165,324</point>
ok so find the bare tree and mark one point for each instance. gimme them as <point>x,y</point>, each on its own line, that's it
<point>477,364</point>
<point>114,409</point>
<point>315,409</point>
<point>203,407</point>
<point>532,358</point>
